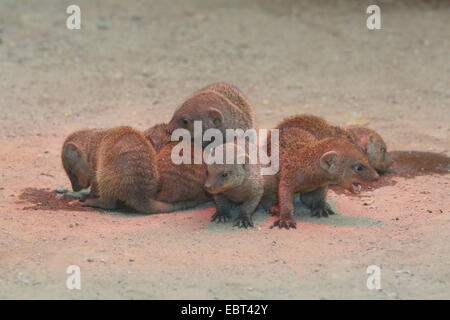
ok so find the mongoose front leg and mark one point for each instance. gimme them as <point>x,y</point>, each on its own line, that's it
<point>102,203</point>
<point>223,207</point>
<point>286,202</point>
<point>244,220</point>
<point>93,192</point>
<point>155,206</point>
<point>316,201</point>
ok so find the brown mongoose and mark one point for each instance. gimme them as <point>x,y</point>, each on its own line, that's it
<point>367,139</point>
<point>370,142</point>
<point>158,135</point>
<point>235,182</point>
<point>220,106</point>
<point>180,182</point>
<point>120,165</point>
<point>308,166</point>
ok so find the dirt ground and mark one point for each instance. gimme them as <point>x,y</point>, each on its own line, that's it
<point>133,62</point>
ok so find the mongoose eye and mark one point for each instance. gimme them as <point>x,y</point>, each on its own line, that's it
<point>358,168</point>
<point>185,121</point>
<point>224,175</point>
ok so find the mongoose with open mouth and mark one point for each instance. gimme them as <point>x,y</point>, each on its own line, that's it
<point>307,166</point>
<point>367,139</point>
<point>370,142</point>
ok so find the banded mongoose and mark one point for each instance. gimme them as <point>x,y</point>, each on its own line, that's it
<point>307,165</point>
<point>370,142</point>
<point>220,106</point>
<point>367,139</point>
<point>237,181</point>
<point>119,165</point>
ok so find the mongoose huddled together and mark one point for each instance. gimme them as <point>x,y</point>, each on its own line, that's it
<point>123,165</point>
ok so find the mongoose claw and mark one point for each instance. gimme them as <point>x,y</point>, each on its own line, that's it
<point>220,217</point>
<point>285,223</point>
<point>243,222</point>
<point>322,211</point>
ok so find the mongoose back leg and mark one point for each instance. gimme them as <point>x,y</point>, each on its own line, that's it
<point>316,201</point>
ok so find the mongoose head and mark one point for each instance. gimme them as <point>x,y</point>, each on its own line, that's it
<point>346,164</point>
<point>223,176</point>
<point>203,106</point>
<point>158,136</point>
<point>76,166</point>
<point>373,146</point>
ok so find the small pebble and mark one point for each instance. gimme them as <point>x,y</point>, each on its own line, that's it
<point>403,271</point>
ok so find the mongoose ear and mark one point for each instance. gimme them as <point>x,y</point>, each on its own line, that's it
<point>329,161</point>
<point>72,159</point>
<point>72,153</point>
<point>216,117</point>
<point>366,141</point>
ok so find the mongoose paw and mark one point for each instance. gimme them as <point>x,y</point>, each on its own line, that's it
<point>221,216</point>
<point>275,211</point>
<point>285,223</point>
<point>85,196</point>
<point>322,211</point>
<point>243,222</point>
<point>90,203</point>
<point>96,203</point>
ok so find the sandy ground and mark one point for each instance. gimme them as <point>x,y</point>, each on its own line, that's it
<point>134,62</point>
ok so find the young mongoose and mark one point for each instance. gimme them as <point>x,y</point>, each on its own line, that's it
<point>220,106</point>
<point>368,140</point>
<point>119,165</point>
<point>235,182</point>
<point>308,167</point>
